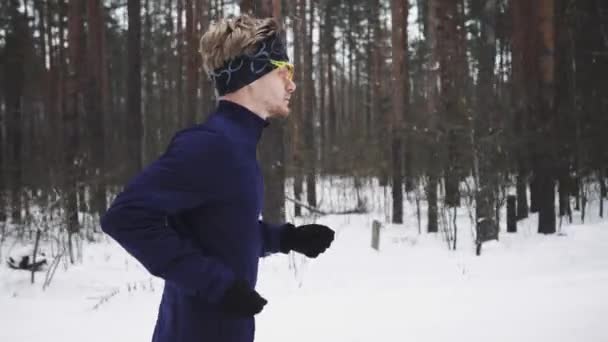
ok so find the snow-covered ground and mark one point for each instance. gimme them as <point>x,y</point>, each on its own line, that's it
<point>526,287</point>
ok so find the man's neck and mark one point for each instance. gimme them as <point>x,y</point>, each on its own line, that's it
<point>247,102</point>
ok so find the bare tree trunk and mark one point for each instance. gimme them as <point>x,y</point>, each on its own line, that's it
<point>150,111</point>
<point>41,124</point>
<point>545,168</point>
<point>191,65</point>
<point>432,98</point>
<point>179,73</point>
<point>451,59</point>
<point>97,102</point>
<point>299,34</point>
<point>53,126</point>
<point>485,142</point>
<point>376,119</point>
<point>331,98</point>
<point>522,195</point>
<point>14,77</point>
<point>134,116</point>
<point>3,167</point>
<point>309,127</point>
<point>520,56</point>
<point>171,72</point>
<point>322,92</point>
<point>206,85</point>
<point>70,116</point>
<point>399,13</point>
<point>566,110</point>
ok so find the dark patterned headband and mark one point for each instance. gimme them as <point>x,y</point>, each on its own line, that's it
<point>246,68</point>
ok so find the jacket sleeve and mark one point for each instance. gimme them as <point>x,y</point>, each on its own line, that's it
<point>271,234</point>
<point>183,178</point>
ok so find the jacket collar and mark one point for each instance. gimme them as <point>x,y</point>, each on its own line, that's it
<point>245,123</point>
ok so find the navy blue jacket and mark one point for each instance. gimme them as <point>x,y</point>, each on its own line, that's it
<point>192,218</point>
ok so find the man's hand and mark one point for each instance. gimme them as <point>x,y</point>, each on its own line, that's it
<point>241,301</point>
<point>309,239</point>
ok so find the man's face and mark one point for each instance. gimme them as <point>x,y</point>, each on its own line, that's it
<point>273,91</point>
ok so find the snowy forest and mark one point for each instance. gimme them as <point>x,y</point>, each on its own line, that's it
<point>452,124</point>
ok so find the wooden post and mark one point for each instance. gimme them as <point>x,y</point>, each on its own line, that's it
<point>376,235</point>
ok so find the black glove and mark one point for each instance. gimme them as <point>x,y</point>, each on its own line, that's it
<point>309,239</point>
<point>240,300</point>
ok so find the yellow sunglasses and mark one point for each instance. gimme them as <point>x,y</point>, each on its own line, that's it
<point>283,64</point>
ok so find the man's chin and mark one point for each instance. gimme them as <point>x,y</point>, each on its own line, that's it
<point>280,113</point>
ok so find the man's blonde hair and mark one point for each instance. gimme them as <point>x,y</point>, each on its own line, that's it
<point>231,37</point>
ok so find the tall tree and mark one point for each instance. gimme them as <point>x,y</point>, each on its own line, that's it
<point>149,68</point>
<point>545,165</point>
<point>299,102</point>
<point>522,43</point>
<point>134,126</point>
<point>432,92</point>
<point>97,101</point>
<point>3,189</point>
<point>309,126</point>
<point>191,64</point>
<point>331,116</point>
<point>179,73</point>
<point>485,138</point>
<point>400,94</point>
<point>452,59</point>
<point>71,116</point>
<point>203,9</point>
<point>14,77</point>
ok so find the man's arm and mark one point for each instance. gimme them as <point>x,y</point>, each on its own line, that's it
<point>271,237</point>
<point>182,179</point>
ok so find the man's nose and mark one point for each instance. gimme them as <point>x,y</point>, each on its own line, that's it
<point>291,87</point>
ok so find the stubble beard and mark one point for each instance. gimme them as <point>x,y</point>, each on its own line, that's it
<point>279,111</point>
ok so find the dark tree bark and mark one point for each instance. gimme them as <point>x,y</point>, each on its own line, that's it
<point>511,214</point>
<point>179,73</point>
<point>191,64</point>
<point>207,89</point>
<point>322,92</point>
<point>149,69</point>
<point>97,101</point>
<point>522,49</point>
<point>299,105</point>
<point>71,115</point>
<point>545,164</point>
<point>332,115</point>
<point>134,126</point>
<point>432,84</point>
<point>309,111</point>
<point>486,144</point>
<point>451,59</point>
<point>170,72</point>
<point>399,13</point>
<point>522,195</point>
<point>565,108</point>
<point>14,81</point>
<point>3,167</point>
